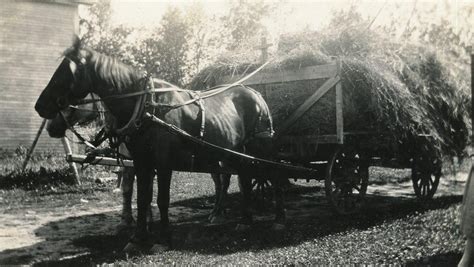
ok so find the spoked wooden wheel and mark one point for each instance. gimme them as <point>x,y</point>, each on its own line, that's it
<point>346,181</point>
<point>425,174</point>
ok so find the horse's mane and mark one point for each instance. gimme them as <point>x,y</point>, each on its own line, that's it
<point>120,77</point>
<point>114,73</point>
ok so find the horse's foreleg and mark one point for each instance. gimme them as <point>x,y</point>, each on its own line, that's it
<point>164,181</point>
<point>128,177</point>
<point>245,182</point>
<point>145,175</point>
<point>280,216</point>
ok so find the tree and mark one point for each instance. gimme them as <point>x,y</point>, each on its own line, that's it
<point>244,21</point>
<point>172,47</point>
<point>99,34</point>
<point>205,41</point>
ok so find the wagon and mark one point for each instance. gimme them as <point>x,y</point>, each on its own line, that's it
<point>336,154</point>
<point>340,155</point>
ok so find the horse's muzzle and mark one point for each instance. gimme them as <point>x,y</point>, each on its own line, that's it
<point>55,132</point>
<point>45,112</point>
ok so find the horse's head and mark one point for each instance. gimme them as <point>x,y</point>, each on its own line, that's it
<point>70,82</point>
<point>71,116</point>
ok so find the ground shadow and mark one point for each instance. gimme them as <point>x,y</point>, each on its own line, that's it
<point>439,260</point>
<point>92,240</point>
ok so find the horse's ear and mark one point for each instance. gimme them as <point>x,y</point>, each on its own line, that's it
<point>76,43</point>
<point>73,67</point>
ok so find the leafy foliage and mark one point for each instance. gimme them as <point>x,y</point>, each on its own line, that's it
<point>182,44</point>
<point>173,46</point>
<point>161,51</point>
<point>244,21</point>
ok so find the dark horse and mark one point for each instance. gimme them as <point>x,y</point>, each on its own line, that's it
<point>91,112</point>
<point>236,118</point>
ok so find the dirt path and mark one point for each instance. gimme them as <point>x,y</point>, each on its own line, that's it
<point>54,229</point>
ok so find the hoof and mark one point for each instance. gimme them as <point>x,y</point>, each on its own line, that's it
<point>212,214</point>
<point>124,226</point>
<point>211,217</point>
<point>217,220</point>
<point>158,248</point>
<point>278,227</point>
<point>242,227</point>
<point>132,248</point>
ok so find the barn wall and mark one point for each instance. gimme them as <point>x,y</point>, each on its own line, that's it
<point>32,37</point>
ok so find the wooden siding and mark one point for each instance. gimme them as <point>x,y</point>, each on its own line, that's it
<point>32,37</point>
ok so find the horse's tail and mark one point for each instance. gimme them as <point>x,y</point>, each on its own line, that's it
<point>264,125</point>
<point>261,142</point>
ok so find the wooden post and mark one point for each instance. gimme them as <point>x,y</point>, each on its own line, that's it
<point>264,49</point>
<point>472,92</point>
<point>67,149</point>
<point>33,146</point>
<point>339,108</point>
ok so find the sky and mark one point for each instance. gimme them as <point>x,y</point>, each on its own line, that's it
<point>291,15</point>
<point>302,12</point>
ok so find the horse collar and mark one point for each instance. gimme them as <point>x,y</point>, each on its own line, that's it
<point>135,121</point>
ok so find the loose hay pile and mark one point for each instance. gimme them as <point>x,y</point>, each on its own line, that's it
<point>400,89</point>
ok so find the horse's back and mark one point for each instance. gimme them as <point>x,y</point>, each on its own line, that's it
<point>231,116</point>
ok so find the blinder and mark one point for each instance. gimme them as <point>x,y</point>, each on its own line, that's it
<point>76,90</point>
<point>71,97</point>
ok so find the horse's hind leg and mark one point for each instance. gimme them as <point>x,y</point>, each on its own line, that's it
<point>217,185</point>
<point>225,182</point>
<point>280,216</point>
<point>221,182</point>
<point>245,182</point>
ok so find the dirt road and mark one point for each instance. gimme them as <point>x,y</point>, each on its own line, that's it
<point>64,226</point>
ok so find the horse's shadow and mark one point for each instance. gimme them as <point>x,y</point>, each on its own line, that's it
<point>91,238</point>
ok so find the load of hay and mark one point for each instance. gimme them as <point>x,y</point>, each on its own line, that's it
<point>400,89</point>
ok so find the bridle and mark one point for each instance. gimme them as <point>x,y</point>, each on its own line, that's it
<point>90,144</point>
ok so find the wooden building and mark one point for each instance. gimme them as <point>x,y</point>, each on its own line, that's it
<point>33,33</point>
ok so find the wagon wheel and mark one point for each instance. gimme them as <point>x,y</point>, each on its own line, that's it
<point>425,175</point>
<point>346,181</point>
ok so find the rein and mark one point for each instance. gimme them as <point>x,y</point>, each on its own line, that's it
<point>100,137</point>
<point>73,130</point>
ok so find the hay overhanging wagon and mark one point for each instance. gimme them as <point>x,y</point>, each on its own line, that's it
<point>312,132</point>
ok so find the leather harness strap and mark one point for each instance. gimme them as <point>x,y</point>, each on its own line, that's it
<point>195,98</point>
